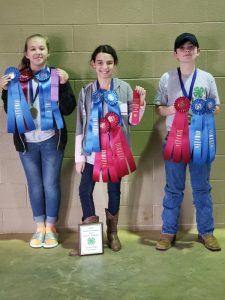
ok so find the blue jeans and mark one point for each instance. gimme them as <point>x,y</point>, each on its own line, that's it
<point>174,193</point>
<point>86,189</point>
<point>42,165</point>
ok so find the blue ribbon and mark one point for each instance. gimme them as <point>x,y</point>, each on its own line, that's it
<point>18,109</point>
<point>198,132</point>
<point>111,99</point>
<point>211,128</point>
<point>48,108</point>
<point>46,93</point>
<point>93,140</point>
<point>203,131</point>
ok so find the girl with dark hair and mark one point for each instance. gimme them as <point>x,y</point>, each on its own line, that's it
<point>104,113</point>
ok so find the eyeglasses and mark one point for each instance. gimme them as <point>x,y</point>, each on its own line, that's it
<point>189,48</point>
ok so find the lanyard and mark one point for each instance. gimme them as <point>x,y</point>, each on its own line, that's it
<point>189,96</point>
<point>32,96</point>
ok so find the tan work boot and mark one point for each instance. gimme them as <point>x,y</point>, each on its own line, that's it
<point>210,242</point>
<point>113,239</point>
<point>89,220</point>
<point>165,241</point>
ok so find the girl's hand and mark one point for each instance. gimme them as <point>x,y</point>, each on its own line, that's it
<point>80,167</point>
<point>4,80</point>
<point>142,92</point>
<point>63,76</point>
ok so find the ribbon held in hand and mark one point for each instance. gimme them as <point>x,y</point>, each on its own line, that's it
<point>17,107</point>
<point>198,132</point>
<point>135,108</point>
<point>177,145</point>
<point>104,160</point>
<point>122,154</point>
<point>203,131</point>
<point>115,158</point>
<point>211,128</point>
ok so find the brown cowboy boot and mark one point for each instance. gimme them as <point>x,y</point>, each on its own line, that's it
<point>111,222</point>
<point>88,220</point>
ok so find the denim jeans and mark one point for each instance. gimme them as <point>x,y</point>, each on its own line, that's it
<point>42,165</point>
<point>86,189</point>
<point>174,193</point>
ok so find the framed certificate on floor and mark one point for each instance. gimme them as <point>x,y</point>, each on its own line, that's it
<point>91,239</point>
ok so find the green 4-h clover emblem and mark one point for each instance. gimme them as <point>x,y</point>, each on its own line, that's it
<point>198,92</point>
<point>91,241</point>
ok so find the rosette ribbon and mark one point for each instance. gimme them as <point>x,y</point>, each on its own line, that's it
<point>135,108</point>
<point>211,128</point>
<point>177,145</point>
<point>104,160</point>
<point>98,97</point>
<point>122,154</point>
<point>48,86</point>
<point>198,132</point>
<point>18,109</point>
<point>49,107</point>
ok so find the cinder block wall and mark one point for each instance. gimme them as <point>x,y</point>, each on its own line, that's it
<point>142,32</point>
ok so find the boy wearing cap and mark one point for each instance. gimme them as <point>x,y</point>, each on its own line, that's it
<point>192,83</point>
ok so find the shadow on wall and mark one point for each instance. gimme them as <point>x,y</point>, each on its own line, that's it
<point>147,189</point>
<point>70,206</point>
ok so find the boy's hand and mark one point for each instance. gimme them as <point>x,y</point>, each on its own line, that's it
<point>165,110</point>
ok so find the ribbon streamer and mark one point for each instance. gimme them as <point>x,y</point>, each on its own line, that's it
<point>18,109</point>
<point>177,145</point>
<point>115,159</point>
<point>104,160</point>
<point>211,128</point>
<point>135,108</point>
<point>123,157</point>
<point>198,133</point>
<point>98,97</point>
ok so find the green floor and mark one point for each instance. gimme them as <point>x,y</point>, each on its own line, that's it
<point>138,271</point>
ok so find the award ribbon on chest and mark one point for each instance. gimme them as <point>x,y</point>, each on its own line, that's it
<point>104,160</point>
<point>48,87</point>
<point>115,158</point>
<point>123,157</point>
<point>17,107</point>
<point>177,145</point>
<point>198,132</point>
<point>49,107</point>
<point>98,97</point>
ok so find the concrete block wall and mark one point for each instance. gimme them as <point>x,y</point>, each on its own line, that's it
<point>143,33</point>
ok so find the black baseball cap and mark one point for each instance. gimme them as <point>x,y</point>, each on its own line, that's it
<point>185,37</point>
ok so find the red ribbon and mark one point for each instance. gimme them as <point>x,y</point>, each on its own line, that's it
<point>121,150</point>
<point>25,75</point>
<point>177,144</point>
<point>115,156</point>
<point>104,160</point>
<point>135,108</point>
